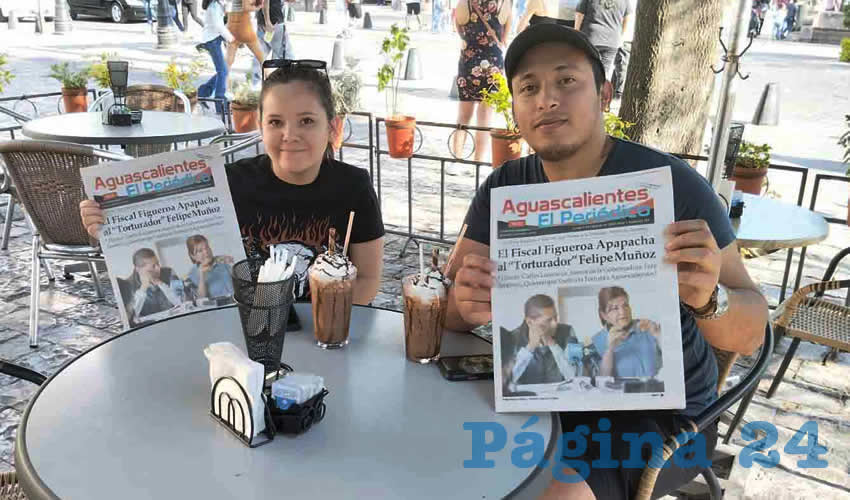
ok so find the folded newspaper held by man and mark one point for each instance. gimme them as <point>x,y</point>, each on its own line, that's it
<point>170,238</point>
<point>585,310</point>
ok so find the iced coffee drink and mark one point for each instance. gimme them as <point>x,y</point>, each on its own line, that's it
<point>332,278</point>
<point>425,300</point>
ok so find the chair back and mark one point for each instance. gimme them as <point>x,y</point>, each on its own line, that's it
<point>46,175</point>
<point>157,98</point>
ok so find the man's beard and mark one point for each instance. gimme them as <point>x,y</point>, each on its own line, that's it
<point>557,152</point>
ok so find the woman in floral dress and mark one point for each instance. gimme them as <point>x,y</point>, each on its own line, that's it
<point>483,26</point>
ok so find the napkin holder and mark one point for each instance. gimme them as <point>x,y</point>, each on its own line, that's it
<point>230,407</point>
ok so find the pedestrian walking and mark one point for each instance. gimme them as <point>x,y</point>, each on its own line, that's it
<point>174,15</point>
<point>604,22</point>
<point>149,17</point>
<point>213,35</point>
<point>483,26</point>
<point>621,62</point>
<point>790,18</point>
<point>413,9</point>
<point>272,37</point>
<point>240,25</point>
<point>188,7</point>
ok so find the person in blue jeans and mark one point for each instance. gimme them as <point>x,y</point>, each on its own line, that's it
<point>173,4</point>
<point>212,36</point>
<point>149,14</point>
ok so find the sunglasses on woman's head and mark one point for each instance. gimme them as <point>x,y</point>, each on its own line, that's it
<point>289,64</point>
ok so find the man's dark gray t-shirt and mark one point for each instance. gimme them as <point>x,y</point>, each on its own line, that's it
<point>693,198</point>
<point>603,20</point>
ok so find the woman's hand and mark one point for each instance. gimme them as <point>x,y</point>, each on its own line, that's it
<point>93,219</point>
<point>650,326</point>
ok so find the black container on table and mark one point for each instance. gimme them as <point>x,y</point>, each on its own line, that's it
<point>264,312</point>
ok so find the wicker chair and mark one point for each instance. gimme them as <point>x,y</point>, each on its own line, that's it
<point>47,177</point>
<point>6,187</point>
<point>743,392</point>
<point>813,319</point>
<point>10,489</point>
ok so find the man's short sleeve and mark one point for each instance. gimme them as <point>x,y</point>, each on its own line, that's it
<point>478,216</point>
<point>696,199</point>
<point>581,8</point>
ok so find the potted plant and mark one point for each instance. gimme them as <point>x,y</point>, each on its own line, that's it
<point>100,72</point>
<point>244,107</point>
<point>506,142</point>
<point>400,129</point>
<point>844,142</point>
<point>74,83</point>
<point>751,167</point>
<point>182,77</point>
<point>346,91</point>
<point>616,126</point>
<point>5,75</point>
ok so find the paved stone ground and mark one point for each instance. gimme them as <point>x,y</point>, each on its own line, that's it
<point>72,320</point>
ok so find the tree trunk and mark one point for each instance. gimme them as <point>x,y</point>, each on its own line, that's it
<point>669,80</point>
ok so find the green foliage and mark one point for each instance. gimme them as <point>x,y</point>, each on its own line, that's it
<point>389,75</point>
<point>753,156</point>
<point>99,72</point>
<point>5,75</point>
<point>844,56</point>
<point>500,100</point>
<point>70,79</point>
<point>617,127</point>
<point>180,76</point>
<point>847,16</point>
<point>246,96</point>
<point>844,142</point>
<point>346,87</point>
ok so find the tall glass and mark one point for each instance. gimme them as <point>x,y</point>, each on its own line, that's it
<point>424,317</point>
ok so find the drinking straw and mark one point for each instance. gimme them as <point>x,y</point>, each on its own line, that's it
<point>331,241</point>
<point>421,262</point>
<point>451,257</point>
<point>348,233</point>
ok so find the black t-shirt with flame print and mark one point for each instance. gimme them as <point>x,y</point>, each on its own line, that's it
<point>271,211</point>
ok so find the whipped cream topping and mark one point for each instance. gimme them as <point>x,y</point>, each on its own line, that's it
<point>334,266</point>
<point>432,283</point>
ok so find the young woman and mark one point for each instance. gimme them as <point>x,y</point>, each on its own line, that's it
<point>210,274</point>
<point>295,192</point>
<point>212,36</point>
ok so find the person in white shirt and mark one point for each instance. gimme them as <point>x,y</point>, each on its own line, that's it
<point>213,35</point>
<point>152,285</point>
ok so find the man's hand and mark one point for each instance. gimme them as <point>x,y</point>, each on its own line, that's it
<point>473,282</point>
<point>145,281</point>
<point>536,337</point>
<point>92,216</point>
<point>692,248</point>
<point>269,27</point>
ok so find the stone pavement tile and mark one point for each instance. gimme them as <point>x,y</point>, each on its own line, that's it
<point>53,300</point>
<point>16,393</point>
<point>47,358</point>
<point>76,337</point>
<point>6,466</point>
<point>96,314</point>
<point>20,320</point>
<point>9,419</point>
<point>7,334</point>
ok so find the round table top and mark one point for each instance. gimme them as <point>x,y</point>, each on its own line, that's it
<point>770,224</point>
<point>157,127</point>
<point>132,416</point>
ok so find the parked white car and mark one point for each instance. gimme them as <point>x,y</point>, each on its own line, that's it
<point>27,9</point>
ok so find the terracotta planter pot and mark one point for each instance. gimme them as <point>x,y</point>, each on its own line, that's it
<point>244,117</point>
<point>401,132</point>
<point>340,137</point>
<point>75,100</point>
<point>506,146</point>
<point>749,180</point>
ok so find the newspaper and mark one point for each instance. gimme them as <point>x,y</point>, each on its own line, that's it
<point>585,310</point>
<point>170,238</point>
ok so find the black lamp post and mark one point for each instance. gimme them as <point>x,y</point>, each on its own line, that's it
<point>166,36</point>
<point>61,18</point>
